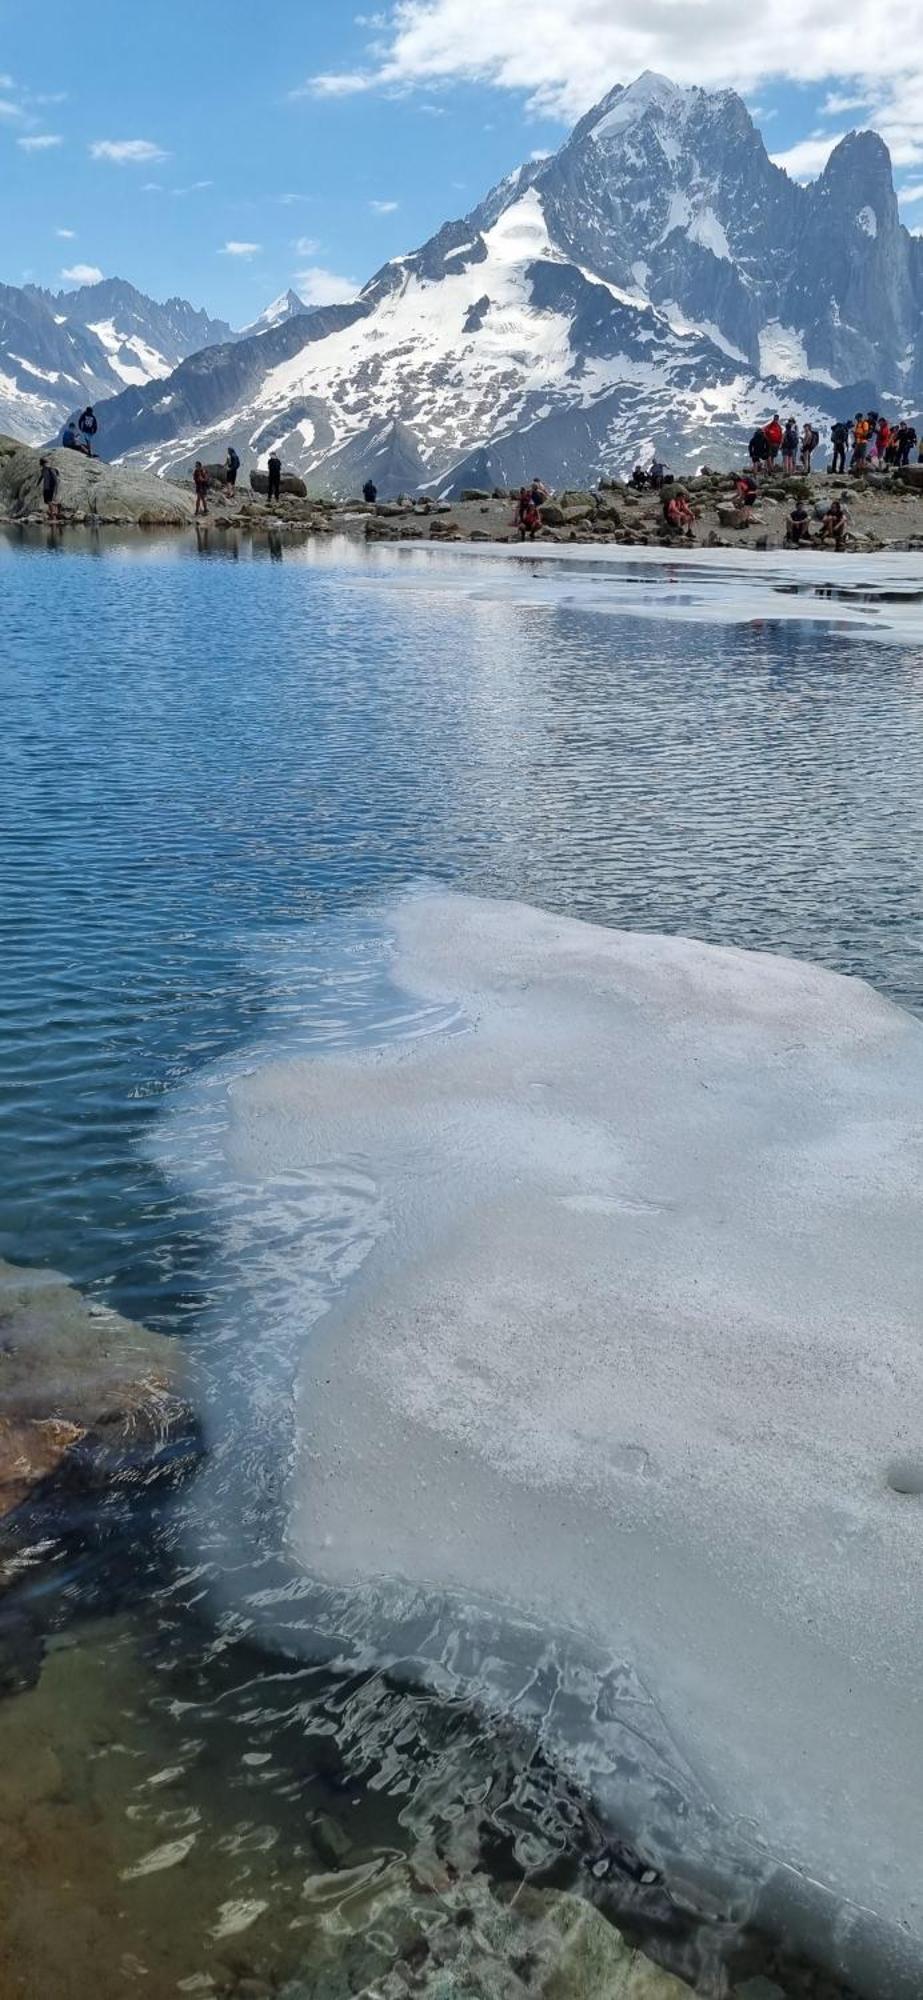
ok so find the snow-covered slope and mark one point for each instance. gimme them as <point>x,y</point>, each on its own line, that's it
<point>61,350</point>
<point>658,284</point>
<point>287,306</point>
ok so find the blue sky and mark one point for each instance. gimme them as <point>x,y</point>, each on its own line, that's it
<point>224,150</point>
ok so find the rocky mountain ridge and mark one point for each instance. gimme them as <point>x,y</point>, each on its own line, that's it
<point>657,285</point>
<point>61,350</point>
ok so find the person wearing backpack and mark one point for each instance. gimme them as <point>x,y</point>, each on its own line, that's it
<point>274,478</point>
<point>810,439</point>
<point>772,432</point>
<point>839,438</point>
<point>789,447</point>
<point>200,482</point>
<point>88,427</point>
<point>231,469</point>
<point>907,444</point>
<point>861,433</point>
<point>759,450</point>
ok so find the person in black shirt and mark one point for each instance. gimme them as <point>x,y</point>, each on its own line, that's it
<point>51,480</point>
<point>274,471</point>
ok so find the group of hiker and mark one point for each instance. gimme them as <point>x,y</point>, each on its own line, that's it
<point>867,439</point>
<point>202,478</point>
<point>79,432</point>
<point>528,515</point>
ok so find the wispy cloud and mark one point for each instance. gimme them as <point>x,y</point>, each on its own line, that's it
<point>40,142</point>
<point>318,287</point>
<point>82,274</point>
<point>306,246</point>
<point>809,157</point>
<point>384,207</point>
<point>128,152</point>
<point>66,235</point>
<point>911,193</point>
<point>10,110</point>
<point>339,83</point>
<point>235,249</point>
<point>837,106</point>
<point>195,187</point>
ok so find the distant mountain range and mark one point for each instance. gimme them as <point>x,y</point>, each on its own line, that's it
<point>62,350</point>
<point>657,285</point>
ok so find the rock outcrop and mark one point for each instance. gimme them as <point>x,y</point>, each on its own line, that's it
<point>87,1399</point>
<point>89,490</point>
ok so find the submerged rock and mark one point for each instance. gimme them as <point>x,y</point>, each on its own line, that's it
<point>87,1399</point>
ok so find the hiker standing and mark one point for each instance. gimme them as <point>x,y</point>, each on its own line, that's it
<point>88,427</point>
<point>810,439</point>
<point>231,469</point>
<point>772,432</point>
<point>51,480</point>
<point>274,473</point>
<point>789,447</point>
<point>370,493</point>
<point>861,433</point>
<point>839,438</point>
<point>200,482</point>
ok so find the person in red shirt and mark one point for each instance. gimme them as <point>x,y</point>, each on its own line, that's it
<point>678,516</point>
<point>772,432</point>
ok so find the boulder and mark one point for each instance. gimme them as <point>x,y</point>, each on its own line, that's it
<point>577,502</point>
<point>552,514</point>
<point>88,1400</point>
<point>91,491</point>
<point>735,517</point>
<point>289,483</point>
<point>475,493</point>
<point>911,475</point>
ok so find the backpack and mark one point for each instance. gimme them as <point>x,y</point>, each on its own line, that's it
<point>813,439</point>
<point>233,460</point>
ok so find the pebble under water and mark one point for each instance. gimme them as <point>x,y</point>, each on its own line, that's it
<point>214,770</point>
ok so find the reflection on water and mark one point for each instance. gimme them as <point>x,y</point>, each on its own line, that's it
<point>210,769</point>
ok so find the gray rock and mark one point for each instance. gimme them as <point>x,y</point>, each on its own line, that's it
<point>289,483</point>
<point>90,490</point>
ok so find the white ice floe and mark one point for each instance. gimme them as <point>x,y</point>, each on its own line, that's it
<point>633,1362</point>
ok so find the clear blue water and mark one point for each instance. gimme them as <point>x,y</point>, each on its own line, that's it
<point>207,763</point>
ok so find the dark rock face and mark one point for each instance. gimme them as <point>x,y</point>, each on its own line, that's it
<point>658,286</point>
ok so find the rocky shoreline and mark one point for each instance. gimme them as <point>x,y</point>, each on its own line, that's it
<point>885,509</point>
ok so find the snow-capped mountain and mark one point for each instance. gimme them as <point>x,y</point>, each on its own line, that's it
<point>657,285</point>
<point>287,306</point>
<point>61,350</point>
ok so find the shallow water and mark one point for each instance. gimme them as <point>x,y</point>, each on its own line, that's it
<point>213,769</point>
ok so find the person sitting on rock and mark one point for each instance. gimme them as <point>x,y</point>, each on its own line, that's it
<point>528,519</point>
<point>638,479</point>
<point>678,516</point>
<point>370,493</point>
<point>274,477</point>
<point>51,480</point>
<point>835,525</point>
<point>540,492</point>
<point>88,427</point>
<point>71,439</point>
<point>799,526</point>
<point>200,482</point>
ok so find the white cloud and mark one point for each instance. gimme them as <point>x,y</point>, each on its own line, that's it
<point>235,249</point>
<point>911,193</point>
<point>66,235</point>
<point>809,157</point>
<point>345,83</point>
<point>318,287</point>
<point>835,106</point>
<point>127,152</point>
<point>384,207</point>
<point>566,53</point>
<point>8,110</point>
<point>40,142</point>
<point>305,246</point>
<point>195,187</point>
<point>82,274</point>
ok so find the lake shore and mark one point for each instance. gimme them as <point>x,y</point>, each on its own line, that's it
<point>885,509</point>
